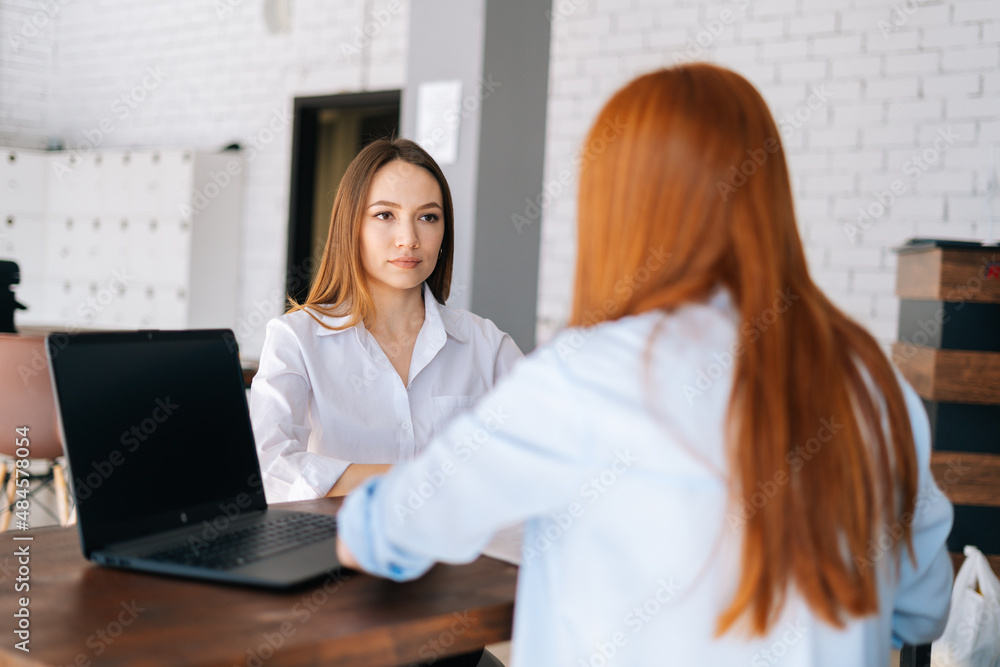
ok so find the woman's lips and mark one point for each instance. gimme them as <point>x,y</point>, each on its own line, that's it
<point>405,262</point>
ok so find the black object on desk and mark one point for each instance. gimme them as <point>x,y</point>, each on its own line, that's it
<point>10,274</point>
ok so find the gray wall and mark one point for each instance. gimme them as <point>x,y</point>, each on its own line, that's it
<point>499,49</point>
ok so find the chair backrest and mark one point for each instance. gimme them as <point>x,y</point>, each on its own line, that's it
<point>27,397</point>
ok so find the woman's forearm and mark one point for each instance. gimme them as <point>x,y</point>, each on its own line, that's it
<point>355,475</point>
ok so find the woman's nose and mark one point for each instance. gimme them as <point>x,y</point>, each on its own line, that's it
<point>406,235</point>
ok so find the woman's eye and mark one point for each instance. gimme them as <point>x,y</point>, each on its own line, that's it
<point>384,215</point>
<point>429,217</point>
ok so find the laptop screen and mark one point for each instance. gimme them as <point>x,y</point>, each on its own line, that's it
<point>156,430</point>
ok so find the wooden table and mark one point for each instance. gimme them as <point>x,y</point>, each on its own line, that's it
<point>82,614</point>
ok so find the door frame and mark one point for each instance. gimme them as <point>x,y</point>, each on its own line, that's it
<point>305,127</point>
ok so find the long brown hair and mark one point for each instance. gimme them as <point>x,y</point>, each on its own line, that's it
<point>696,170</point>
<point>340,287</point>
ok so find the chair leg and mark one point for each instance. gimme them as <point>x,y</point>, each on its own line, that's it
<point>8,495</point>
<point>4,515</point>
<point>62,501</point>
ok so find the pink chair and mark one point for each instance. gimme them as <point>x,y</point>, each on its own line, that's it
<point>28,401</point>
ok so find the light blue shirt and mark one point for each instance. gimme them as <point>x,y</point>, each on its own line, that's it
<point>612,452</point>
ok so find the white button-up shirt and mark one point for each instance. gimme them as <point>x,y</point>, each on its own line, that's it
<point>610,444</point>
<point>324,399</point>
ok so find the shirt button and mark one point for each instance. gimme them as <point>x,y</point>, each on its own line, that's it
<point>406,426</point>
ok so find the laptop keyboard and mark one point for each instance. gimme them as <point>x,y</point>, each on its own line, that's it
<point>247,545</point>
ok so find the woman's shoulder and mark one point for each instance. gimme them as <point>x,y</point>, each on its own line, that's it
<point>692,323</point>
<point>684,337</point>
<point>305,322</point>
<point>467,326</point>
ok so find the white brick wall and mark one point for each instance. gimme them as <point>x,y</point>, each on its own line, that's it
<point>221,77</point>
<point>26,54</point>
<point>225,77</point>
<point>892,87</point>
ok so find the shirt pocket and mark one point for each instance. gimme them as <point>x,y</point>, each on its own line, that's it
<point>445,408</point>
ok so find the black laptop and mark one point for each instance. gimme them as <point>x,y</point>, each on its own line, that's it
<point>164,469</point>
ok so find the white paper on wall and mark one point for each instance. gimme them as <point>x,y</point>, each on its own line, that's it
<point>439,107</point>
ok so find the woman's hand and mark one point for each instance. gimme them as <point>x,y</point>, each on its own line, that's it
<point>355,475</point>
<point>352,478</point>
<point>345,556</point>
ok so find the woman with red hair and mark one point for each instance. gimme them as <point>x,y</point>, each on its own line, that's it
<point>713,463</point>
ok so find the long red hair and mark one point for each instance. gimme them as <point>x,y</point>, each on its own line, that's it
<point>688,161</point>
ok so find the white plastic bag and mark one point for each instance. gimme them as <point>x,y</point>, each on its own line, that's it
<point>972,636</point>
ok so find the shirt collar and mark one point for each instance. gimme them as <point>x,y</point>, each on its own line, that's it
<point>435,315</point>
<point>434,312</point>
<point>331,321</point>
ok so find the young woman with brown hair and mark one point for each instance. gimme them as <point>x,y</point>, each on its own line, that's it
<point>715,465</point>
<point>362,373</point>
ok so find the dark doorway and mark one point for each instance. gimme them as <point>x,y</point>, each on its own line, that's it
<point>329,131</point>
